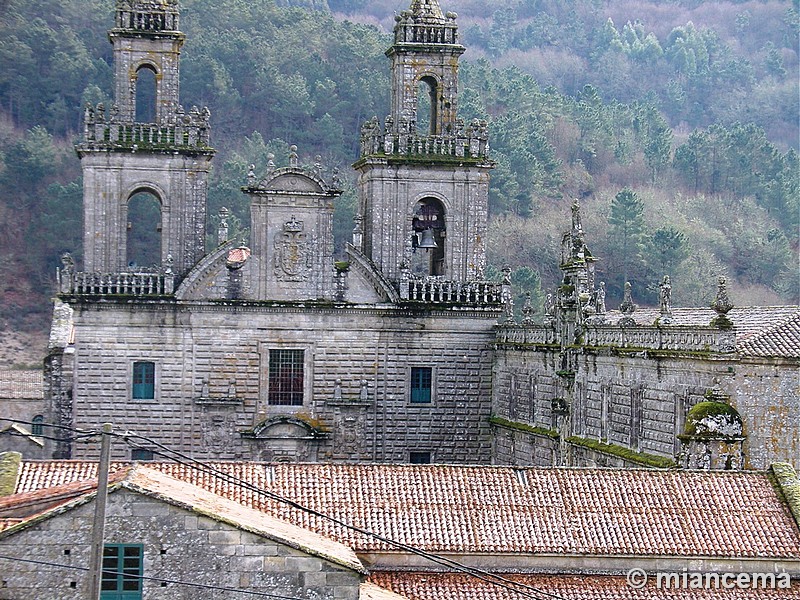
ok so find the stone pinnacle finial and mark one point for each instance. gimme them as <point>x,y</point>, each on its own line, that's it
<point>722,306</point>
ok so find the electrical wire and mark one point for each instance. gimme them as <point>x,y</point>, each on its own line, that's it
<point>486,576</point>
<point>183,459</point>
<point>156,579</point>
<point>76,438</point>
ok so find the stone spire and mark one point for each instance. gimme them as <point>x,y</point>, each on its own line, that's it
<point>428,10</point>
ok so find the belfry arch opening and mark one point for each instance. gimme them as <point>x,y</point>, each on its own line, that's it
<point>428,237</point>
<point>143,247</point>
<point>427,105</point>
<point>146,94</point>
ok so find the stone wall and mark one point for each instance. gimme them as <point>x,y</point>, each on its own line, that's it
<point>178,545</point>
<point>212,385</point>
<point>635,402</point>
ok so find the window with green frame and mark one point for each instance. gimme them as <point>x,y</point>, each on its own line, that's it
<point>421,384</point>
<point>144,380</point>
<point>122,572</point>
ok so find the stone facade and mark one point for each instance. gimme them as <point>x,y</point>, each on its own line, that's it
<point>212,380</point>
<point>272,350</point>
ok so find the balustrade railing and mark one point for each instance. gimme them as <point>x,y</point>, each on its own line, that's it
<point>182,130</point>
<point>472,144</point>
<point>140,284</point>
<point>671,338</point>
<point>479,293</point>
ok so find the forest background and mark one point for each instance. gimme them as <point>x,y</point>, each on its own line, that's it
<point>674,122</point>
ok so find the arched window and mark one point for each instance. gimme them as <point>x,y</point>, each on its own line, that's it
<point>144,231</point>
<point>428,239</point>
<point>146,95</point>
<point>37,425</point>
<point>427,106</point>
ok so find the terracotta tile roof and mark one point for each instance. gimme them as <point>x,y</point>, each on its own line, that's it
<point>158,484</point>
<point>765,331</point>
<point>452,586</point>
<point>21,385</point>
<point>473,509</point>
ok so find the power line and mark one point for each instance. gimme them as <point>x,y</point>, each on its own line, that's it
<point>486,576</point>
<point>170,454</point>
<point>83,434</point>
<point>155,579</point>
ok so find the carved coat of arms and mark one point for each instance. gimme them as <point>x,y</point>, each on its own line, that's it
<point>293,256</point>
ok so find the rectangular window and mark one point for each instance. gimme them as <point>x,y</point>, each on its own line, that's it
<point>122,572</point>
<point>141,454</point>
<point>421,384</point>
<point>144,380</point>
<point>420,458</point>
<point>286,377</point>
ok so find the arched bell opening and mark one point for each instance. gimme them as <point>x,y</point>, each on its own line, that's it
<point>428,238</point>
<point>146,94</point>
<point>427,106</point>
<point>144,235</point>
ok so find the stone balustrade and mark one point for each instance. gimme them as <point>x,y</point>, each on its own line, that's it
<point>470,142</point>
<point>182,131</point>
<point>433,291</point>
<point>526,335</point>
<point>141,19</point>
<point>670,338</point>
<point>140,284</point>
<point>426,33</point>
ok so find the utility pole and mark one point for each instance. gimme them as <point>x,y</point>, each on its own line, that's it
<point>98,528</point>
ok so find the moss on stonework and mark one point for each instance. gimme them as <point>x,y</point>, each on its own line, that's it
<point>639,458</point>
<point>789,485</point>
<point>551,433</point>
<point>9,470</point>
<point>342,265</point>
<point>711,409</point>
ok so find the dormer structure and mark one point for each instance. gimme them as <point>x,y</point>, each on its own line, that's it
<point>424,172</point>
<point>291,216</point>
<point>145,150</point>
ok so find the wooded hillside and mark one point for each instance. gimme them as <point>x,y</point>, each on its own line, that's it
<point>674,123</point>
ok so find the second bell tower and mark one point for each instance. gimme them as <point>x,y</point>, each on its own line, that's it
<point>424,173</point>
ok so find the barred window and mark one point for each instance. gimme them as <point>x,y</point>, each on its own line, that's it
<point>286,377</point>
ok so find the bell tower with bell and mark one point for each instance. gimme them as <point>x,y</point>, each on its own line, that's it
<point>424,172</point>
<point>145,159</point>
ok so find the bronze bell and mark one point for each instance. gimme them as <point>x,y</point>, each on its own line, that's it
<point>426,239</point>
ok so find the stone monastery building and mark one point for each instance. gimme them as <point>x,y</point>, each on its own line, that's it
<point>274,351</point>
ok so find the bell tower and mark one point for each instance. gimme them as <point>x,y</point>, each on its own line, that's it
<point>424,173</point>
<point>145,150</point>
